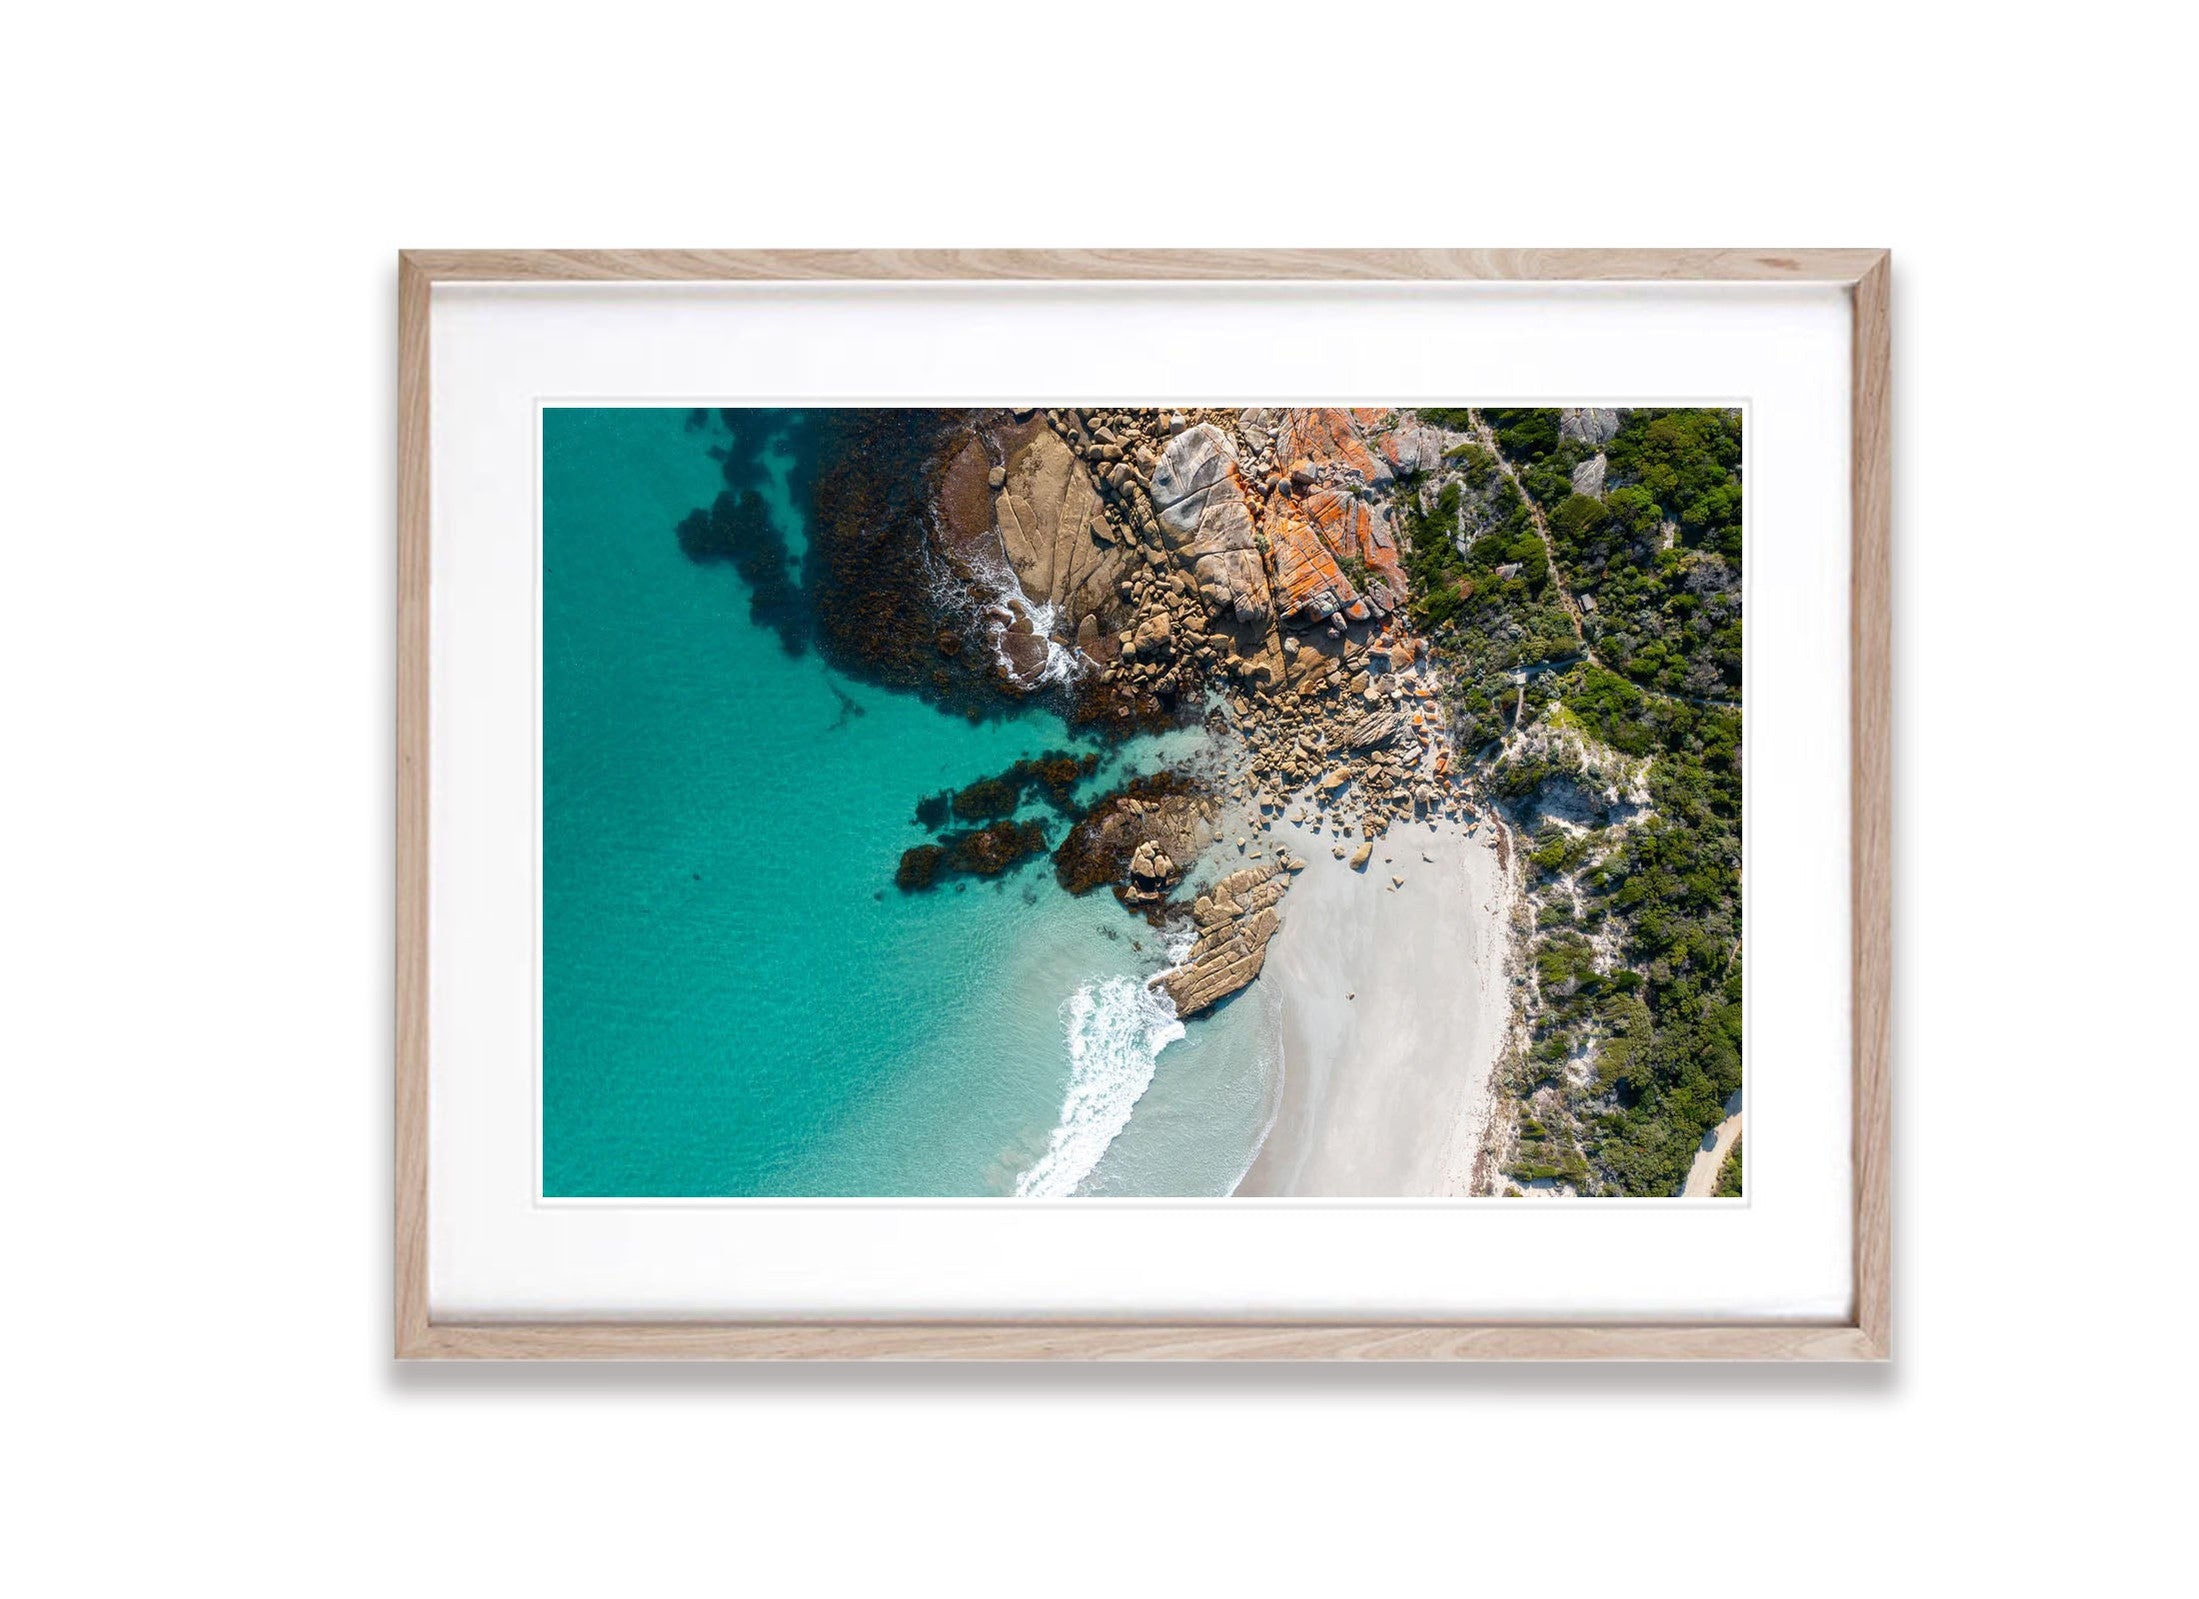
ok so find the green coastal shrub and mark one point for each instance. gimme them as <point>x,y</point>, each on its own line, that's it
<point>1655,561</point>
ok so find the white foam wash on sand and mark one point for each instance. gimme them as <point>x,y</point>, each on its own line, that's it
<point>1117,1028</point>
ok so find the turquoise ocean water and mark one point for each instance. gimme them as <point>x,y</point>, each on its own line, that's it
<point>736,1000</point>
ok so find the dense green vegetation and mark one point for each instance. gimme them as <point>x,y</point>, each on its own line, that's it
<point>1657,559</point>
<point>1476,463</point>
<point>1660,1029</point>
<point>1526,436</point>
<point>1635,1020</point>
<point>1688,463</point>
<point>1534,442</point>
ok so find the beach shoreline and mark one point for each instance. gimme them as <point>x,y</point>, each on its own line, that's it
<point>1395,1006</point>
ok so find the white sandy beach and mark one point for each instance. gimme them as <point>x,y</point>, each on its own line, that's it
<point>1395,1007</point>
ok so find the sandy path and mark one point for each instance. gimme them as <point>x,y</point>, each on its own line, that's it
<point>1702,1177</point>
<point>1394,1010</point>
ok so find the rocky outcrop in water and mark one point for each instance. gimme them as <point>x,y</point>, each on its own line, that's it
<point>1233,921</point>
<point>1152,873</point>
<point>1134,563</point>
<point>1044,511</point>
<point>1054,776</point>
<point>1166,818</point>
<point>871,570</point>
<point>981,852</point>
<point>1128,558</point>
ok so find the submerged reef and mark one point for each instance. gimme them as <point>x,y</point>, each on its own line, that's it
<point>737,528</point>
<point>1054,775</point>
<point>980,852</point>
<point>987,851</point>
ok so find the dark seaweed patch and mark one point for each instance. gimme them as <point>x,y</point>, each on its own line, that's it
<point>980,852</point>
<point>738,529</point>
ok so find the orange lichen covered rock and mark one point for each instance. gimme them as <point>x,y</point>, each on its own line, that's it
<point>1331,469</point>
<point>1325,436</point>
<point>1306,581</point>
<point>1347,522</point>
<point>1357,528</point>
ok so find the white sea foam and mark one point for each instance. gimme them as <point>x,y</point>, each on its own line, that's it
<point>1062,663</point>
<point>991,588</point>
<point>1003,592</point>
<point>1117,1028</point>
<point>948,595</point>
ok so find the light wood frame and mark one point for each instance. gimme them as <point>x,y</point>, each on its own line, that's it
<point>1864,1335</point>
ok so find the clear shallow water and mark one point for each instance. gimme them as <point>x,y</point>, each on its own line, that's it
<point>736,999</point>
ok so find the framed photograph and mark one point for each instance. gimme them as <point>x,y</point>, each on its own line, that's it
<point>1118,804</point>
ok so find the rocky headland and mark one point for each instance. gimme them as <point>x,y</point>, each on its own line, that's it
<point>1152,567</point>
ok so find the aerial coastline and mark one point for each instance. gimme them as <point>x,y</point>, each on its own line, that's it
<point>1340,733</point>
<point>1250,556</point>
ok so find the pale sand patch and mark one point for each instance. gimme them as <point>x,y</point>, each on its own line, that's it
<point>1702,1177</point>
<point>1386,1093</point>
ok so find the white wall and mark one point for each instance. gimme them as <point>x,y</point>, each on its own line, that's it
<point>196,630</point>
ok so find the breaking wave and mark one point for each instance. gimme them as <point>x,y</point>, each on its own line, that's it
<point>1117,1028</point>
<point>1062,663</point>
<point>998,601</point>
